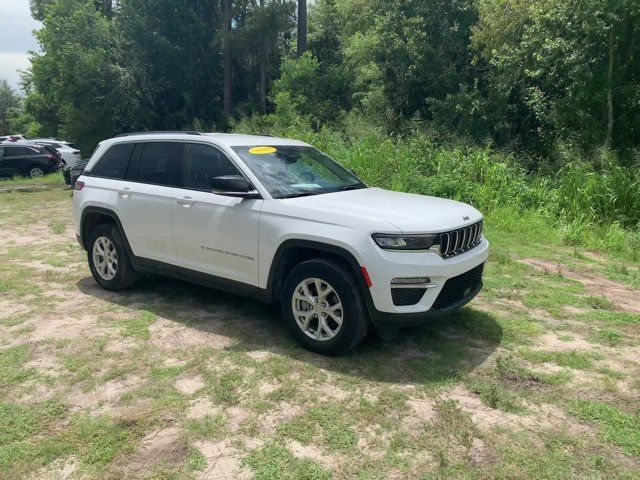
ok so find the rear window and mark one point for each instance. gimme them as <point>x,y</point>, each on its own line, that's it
<point>159,163</point>
<point>113,164</point>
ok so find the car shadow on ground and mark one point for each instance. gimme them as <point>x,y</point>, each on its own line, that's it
<point>445,349</point>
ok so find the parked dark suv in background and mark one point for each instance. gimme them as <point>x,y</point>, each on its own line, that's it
<point>28,160</point>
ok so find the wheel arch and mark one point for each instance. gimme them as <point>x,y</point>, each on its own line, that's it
<point>294,251</point>
<point>92,217</point>
<point>35,163</point>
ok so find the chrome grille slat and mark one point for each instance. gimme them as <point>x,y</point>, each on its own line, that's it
<point>460,240</point>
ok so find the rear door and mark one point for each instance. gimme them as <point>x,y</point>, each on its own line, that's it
<point>145,198</point>
<point>214,234</point>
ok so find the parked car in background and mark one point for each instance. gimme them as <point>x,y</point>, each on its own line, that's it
<point>72,172</point>
<point>27,159</point>
<point>69,153</point>
<point>11,138</point>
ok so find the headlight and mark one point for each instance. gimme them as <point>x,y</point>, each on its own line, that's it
<point>405,242</point>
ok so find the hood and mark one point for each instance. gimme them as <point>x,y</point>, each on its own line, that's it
<point>409,213</point>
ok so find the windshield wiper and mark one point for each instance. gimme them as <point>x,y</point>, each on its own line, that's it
<point>299,194</point>
<point>356,186</point>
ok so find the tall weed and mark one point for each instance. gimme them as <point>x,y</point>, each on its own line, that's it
<point>593,201</point>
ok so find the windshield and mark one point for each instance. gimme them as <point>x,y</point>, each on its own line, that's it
<point>288,171</point>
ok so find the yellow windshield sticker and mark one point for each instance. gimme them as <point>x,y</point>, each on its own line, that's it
<point>262,150</point>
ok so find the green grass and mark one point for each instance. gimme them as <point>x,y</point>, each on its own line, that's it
<point>412,407</point>
<point>276,462</point>
<point>615,426</point>
<point>57,226</point>
<point>570,359</point>
<point>19,424</point>
<point>209,427</point>
<point>137,326</point>
<point>53,180</point>
<point>12,362</point>
<point>607,337</point>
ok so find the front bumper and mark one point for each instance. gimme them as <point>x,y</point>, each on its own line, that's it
<point>400,320</point>
<point>384,266</point>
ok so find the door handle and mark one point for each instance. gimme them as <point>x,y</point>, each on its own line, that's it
<point>124,192</point>
<point>185,201</point>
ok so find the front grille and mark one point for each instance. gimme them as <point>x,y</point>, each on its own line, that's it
<point>458,288</point>
<point>407,296</point>
<point>461,240</point>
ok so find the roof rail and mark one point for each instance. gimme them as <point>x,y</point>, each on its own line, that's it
<point>187,132</point>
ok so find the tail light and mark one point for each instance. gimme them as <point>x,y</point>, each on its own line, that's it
<point>78,185</point>
<point>51,158</point>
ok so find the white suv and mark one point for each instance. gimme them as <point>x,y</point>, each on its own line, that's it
<point>276,220</point>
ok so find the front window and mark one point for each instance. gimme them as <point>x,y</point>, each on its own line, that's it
<point>288,171</point>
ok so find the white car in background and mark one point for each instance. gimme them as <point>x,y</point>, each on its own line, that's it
<point>69,153</point>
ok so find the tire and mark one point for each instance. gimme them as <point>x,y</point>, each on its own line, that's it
<point>113,278</point>
<point>35,171</point>
<point>330,275</point>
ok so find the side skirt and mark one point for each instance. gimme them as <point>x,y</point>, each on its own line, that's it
<point>207,280</point>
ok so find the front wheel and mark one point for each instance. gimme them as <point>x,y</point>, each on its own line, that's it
<point>323,306</point>
<point>108,258</point>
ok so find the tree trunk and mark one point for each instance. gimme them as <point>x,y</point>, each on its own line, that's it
<point>226,53</point>
<point>302,27</point>
<point>263,63</point>
<point>607,141</point>
<point>263,74</point>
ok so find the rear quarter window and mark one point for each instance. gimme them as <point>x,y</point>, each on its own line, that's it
<point>114,162</point>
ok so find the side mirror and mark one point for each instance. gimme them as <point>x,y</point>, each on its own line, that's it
<point>233,186</point>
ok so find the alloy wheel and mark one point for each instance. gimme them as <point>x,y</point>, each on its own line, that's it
<point>105,258</point>
<point>317,309</point>
<point>36,172</point>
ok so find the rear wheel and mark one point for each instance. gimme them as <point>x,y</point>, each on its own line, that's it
<point>35,171</point>
<point>108,258</point>
<point>323,306</point>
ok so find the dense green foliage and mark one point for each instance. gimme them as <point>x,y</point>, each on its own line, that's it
<point>9,104</point>
<point>595,206</point>
<point>530,75</point>
<point>543,96</point>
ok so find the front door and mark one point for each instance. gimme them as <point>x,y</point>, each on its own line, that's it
<point>214,234</point>
<point>14,160</point>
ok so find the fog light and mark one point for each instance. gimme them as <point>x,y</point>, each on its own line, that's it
<point>417,282</point>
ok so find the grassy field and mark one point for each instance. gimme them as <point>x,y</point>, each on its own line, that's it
<point>538,378</point>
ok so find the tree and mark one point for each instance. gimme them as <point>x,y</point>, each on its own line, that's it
<point>226,12</point>
<point>572,66</point>
<point>174,61</point>
<point>38,7</point>
<point>9,102</point>
<point>302,27</point>
<point>78,87</point>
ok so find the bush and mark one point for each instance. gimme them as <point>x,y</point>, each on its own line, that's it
<point>594,201</point>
